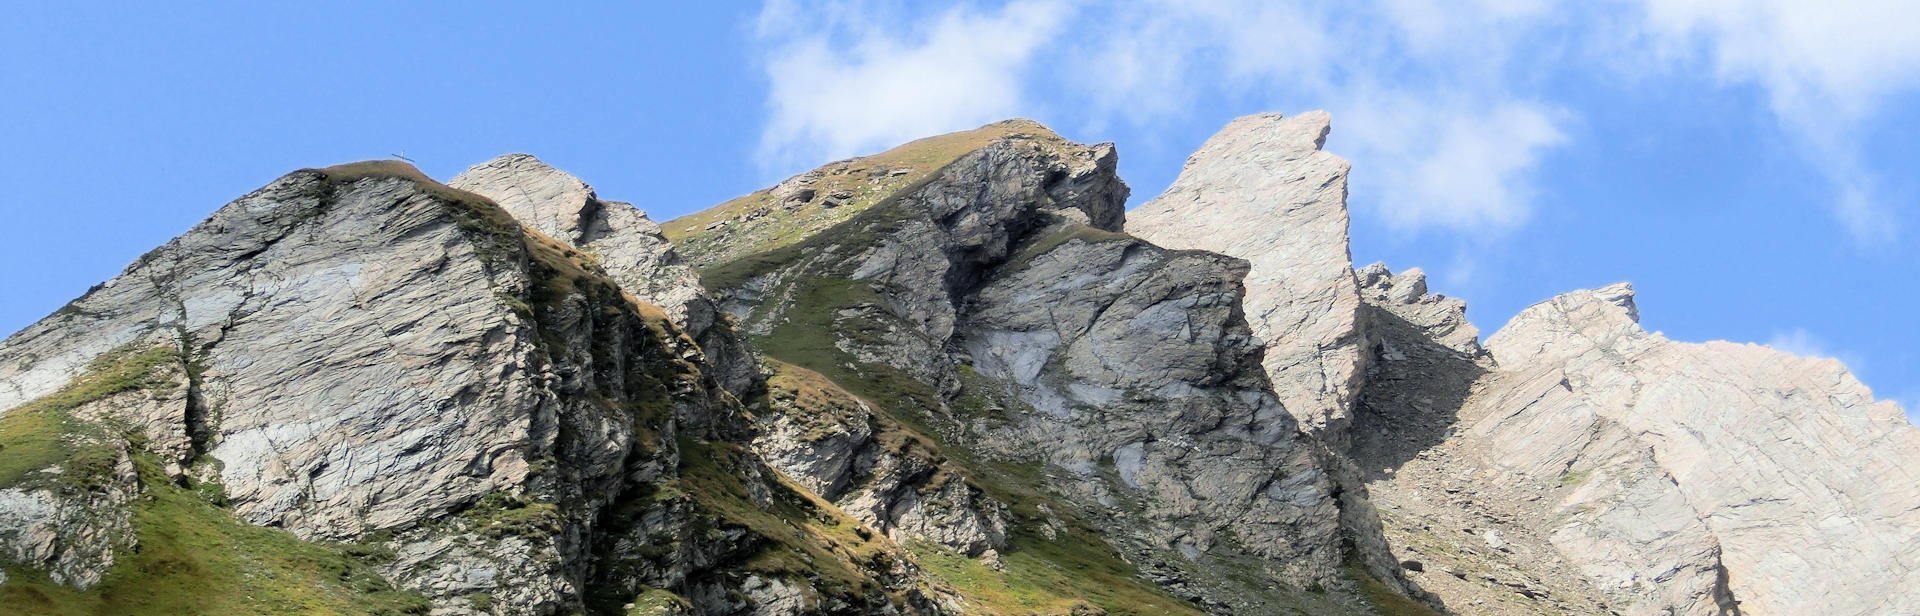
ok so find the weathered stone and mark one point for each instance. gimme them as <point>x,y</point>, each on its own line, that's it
<point>1262,190</point>
<point>71,533</point>
<point>624,242</point>
<point>1696,475</point>
<point>968,355</point>
<point>372,351</point>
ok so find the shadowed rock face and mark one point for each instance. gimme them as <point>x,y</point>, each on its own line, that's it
<point>359,354</point>
<point>1262,190</point>
<point>951,378</point>
<point>1029,332</point>
<point>1761,477</point>
<point>622,241</point>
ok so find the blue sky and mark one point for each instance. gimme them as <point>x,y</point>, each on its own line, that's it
<point>1749,164</point>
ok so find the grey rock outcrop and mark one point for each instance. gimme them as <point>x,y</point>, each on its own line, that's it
<point>1439,319</point>
<point>1675,478</point>
<point>1703,474</point>
<point>877,470</point>
<point>998,309</point>
<point>623,241</point>
<point>1262,190</point>
<point>71,530</point>
<point>1437,503</point>
<point>885,291</point>
<point>372,356</point>
<point>973,386</point>
<point>1134,362</point>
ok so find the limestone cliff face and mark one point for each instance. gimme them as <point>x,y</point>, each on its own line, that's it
<point>1712,478</point>
<point>1675,478</point>
<point>1262,190</point>
<point>360,354</point>
<point>1699,473</point>
<point>1085,383</point>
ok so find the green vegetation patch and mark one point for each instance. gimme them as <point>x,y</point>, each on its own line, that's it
<point>810,400</point>
<point>1043,574</point>
<point>1381,597</point>
<point>884,216</point>
<point>500,514</point>
<point>657,602</point>
<point>803,537</point>
<point>755,223</point>
<point>196,558</point>
<point>1059,234</point>
<point>1045,577</point>
<point>1573,478</point>
<point>42,433</point>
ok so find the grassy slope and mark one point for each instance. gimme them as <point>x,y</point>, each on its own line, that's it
<point>804,536</point>
<point>776,227</point>
<point>801,535</point>
<point>1040,574</point>
<point>41,433</point>
<point>193,557</point>
<point>196,558</point>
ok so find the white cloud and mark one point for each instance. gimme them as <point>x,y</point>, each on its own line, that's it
<point>1440,105</point>
<point>1798,342</point>
<point>1156,58</point>
<point>1460,164</point>
<point>1826,68</point>
<point>1832,60</point>
<point>1417,89</point>
<point>845,78</point>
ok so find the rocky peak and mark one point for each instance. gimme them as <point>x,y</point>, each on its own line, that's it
<point>628,245</point>
<point>816,201</point>
<point>1612,449</point>
<point>1568,325</point>
<point>997,311</point>
<point>361,355</point>
<point>1262,190</point>
<point>536,194</point>
<point>624,243</point>
<point>986,391</point>
<point>1404,297</point>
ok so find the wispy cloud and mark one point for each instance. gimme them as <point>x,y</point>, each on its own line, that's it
<point>1418,89</point>
<point>1454,163</point>
<point>1826,68</point>
<point>849,77</point>
<point>1442,106</point>
<point>1799,342</point>
<point>1804,343</point>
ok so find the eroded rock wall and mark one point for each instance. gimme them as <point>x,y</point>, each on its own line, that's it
<point>369,356</point>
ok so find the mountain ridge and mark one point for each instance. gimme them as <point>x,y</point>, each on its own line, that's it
<point>955,377</point>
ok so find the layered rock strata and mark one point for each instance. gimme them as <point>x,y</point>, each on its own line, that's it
<point>373,357</point>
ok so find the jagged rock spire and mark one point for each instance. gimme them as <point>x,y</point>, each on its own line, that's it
<point>625,243</point>
<point>1262,190</point>
<point>628,244</point>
